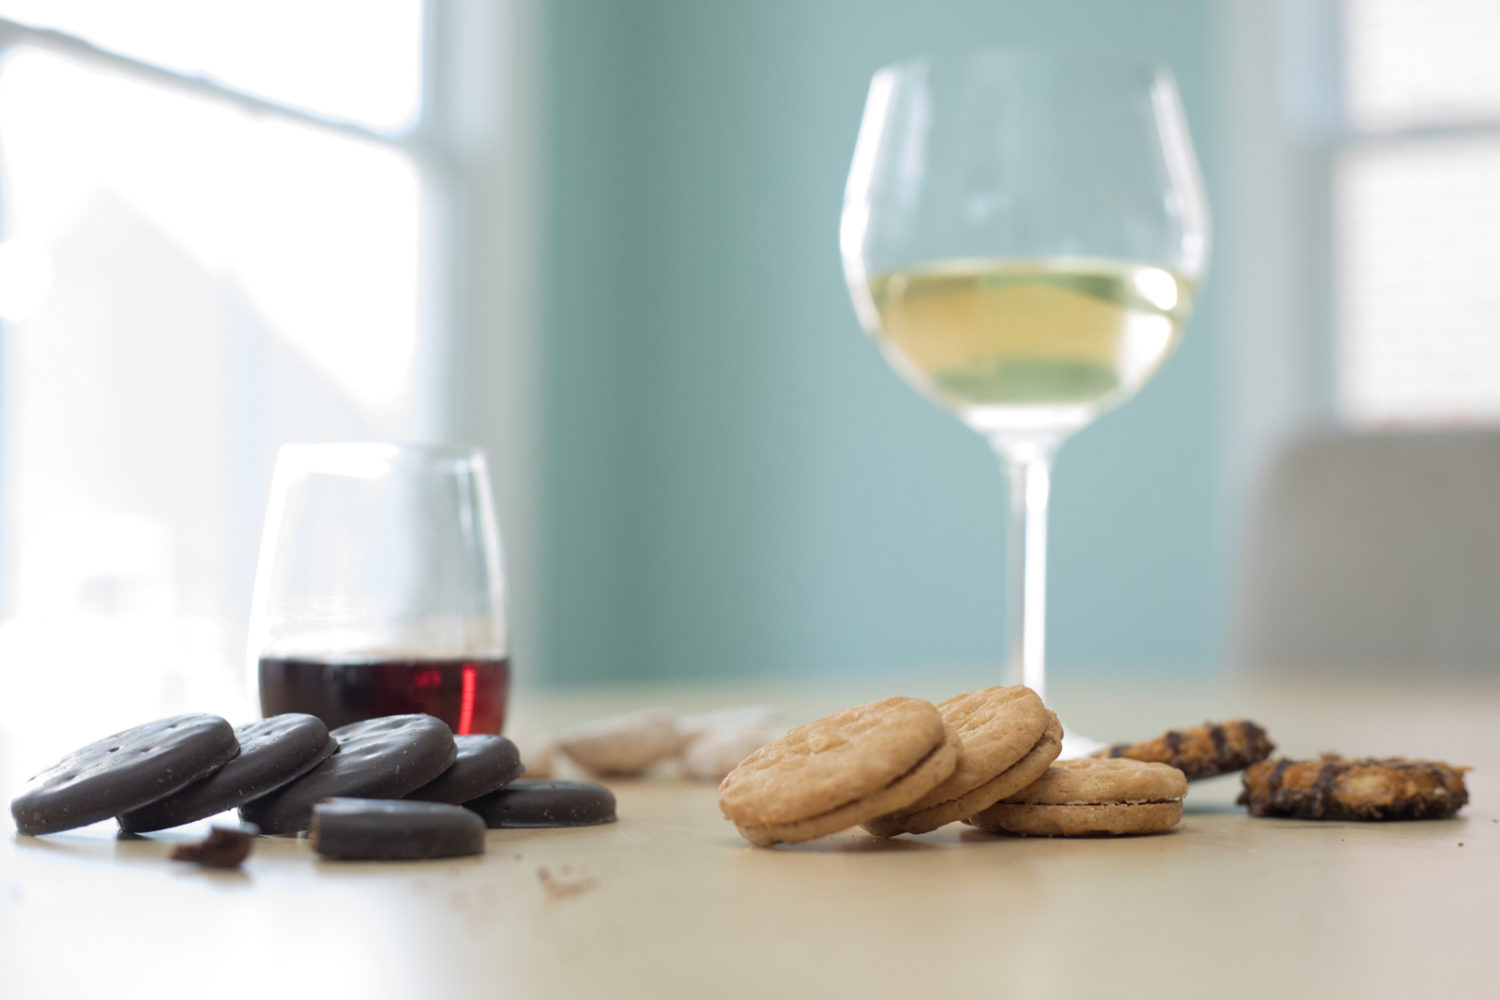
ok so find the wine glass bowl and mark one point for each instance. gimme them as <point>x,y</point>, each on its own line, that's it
<point>379,589</point>
<point>1023,235</point>
<point>1017,348</point>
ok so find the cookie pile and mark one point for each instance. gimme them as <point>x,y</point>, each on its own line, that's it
<point>706,746</point>
<point>396,787</point>
<point>903,765</point>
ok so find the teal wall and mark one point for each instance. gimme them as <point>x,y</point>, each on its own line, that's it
<point>734,481</point>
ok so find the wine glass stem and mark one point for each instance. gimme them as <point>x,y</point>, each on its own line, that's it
<point>1029,465</point>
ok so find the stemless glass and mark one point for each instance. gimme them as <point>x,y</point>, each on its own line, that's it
<point>379,589</point>
<point>1022,234</point>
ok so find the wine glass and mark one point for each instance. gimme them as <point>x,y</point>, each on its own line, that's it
<point>379,589</point>
<point>1023,234</point>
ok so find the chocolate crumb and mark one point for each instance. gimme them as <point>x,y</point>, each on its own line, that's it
<point>1460,843</point>
<point>224,847</point>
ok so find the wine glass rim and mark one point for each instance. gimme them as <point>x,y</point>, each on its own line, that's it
<point>337,453</point>
<point>1036,57</point>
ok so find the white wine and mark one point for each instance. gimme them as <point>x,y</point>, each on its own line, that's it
<point>1029,346</point>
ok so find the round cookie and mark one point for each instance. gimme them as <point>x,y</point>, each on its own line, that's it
<point>999,727</point>
<point>1082,820</point>
<point>1077,798</point>
<point>623,744</point>
<point>1333,787</point>
<point>382,758</point>
<point>713,754</point>
<point>839,771</point>
<point>273,752</point>
<point>483,764</point>
<point>125,771</point>
<point>1201,751</point>
<point>394,830</point>
<point>533,803</point>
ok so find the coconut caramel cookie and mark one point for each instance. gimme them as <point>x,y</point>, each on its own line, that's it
<point>1201,751</point>
<point>1079,798</point>
<point>1009,739</point>
<point>1333,787</point>
<point>839,771</point>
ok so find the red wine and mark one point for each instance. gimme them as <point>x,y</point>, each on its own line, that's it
<point>469,695</point>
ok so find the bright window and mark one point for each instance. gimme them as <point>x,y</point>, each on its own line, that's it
<point>1416,191</point>
<point>347,59</point>
<point>190,277</point>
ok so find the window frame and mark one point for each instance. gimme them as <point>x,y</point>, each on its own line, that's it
<point>477,144</point>
<point>1337,137</point>
<point>419,143</point>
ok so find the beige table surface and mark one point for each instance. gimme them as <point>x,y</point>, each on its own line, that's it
<point>669,902</point>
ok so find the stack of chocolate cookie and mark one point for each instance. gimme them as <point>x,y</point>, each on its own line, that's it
<point>279,772</point>
<point>903,765</point>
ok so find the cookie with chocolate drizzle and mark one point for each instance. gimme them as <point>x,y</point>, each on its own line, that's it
<point>1333,787</point>
<point>1202,751</point>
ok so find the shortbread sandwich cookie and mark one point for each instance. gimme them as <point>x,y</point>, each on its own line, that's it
<point>839,772</point>
<point>1009,738</point>
<point>1079,798</point>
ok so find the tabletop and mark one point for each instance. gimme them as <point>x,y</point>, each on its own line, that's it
<point>670,902</point>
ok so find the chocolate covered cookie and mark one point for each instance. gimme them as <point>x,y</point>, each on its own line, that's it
<point>383,758</point>
<point>531,802</point>
<point>483,764</point>
<point>273,752</point>
<point>126,771</point>
<point>393,830</point>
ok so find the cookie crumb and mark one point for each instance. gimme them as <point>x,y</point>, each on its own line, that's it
<point>1460,843</point>
<point>224,847</point>
<point>562,889</point>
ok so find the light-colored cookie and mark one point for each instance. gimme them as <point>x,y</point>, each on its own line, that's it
<point>623,744</point>
<point>1091,796</point>
<point>1119,819</point>
<point>536,748</point>
<point>931,770</point>
<point>1092,780</point>
<point>713,753</point>
<point>881,757</point>
<point>537,760</point>
<point>998,726</point>
<point>742,717</point>
<point>1013,779</point>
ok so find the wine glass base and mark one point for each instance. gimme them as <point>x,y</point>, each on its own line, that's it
<point>1075,744</point>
